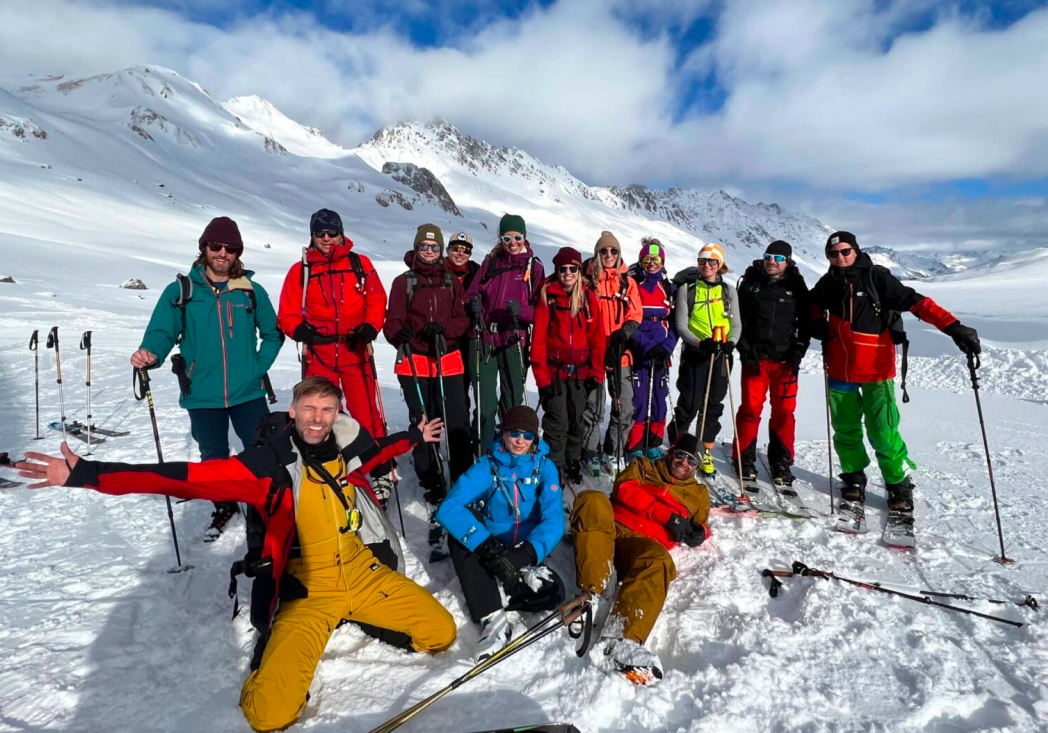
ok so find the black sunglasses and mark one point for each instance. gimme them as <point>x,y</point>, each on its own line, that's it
<point>217,247</point>
<point>609,251</point>
<point>842,252</point>
<point>568,268</point>
<point>681,455</point>
<point>326,234</point>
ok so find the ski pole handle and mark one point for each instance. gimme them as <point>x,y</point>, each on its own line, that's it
<point>85,341</point>
<point>34,340</point>
<point>267,384</point>
<point>52,343</point>
<point>774,584</point>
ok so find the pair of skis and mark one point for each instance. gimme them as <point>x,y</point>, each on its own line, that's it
<point>760,497</point>
<point>898,530</point>
<point>93,436</point>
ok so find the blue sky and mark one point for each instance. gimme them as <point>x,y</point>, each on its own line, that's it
<point>895,113</point>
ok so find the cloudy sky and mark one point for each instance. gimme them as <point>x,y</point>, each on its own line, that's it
<point>911,122</point>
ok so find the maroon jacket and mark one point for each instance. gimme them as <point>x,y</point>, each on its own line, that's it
<point>436,297</point>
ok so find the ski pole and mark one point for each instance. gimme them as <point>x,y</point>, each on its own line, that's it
<point>1029,601</point>
<point>34,342</point>
<point>52,343</point>
<point>563,616</point>
<point>305,285</point>
<point>85,344</point>
<point>370,350</point>
<point>405,353</point>
<point>267,384</point>
<point>973,365</point>
<point>647,411</point>
<point>803,570</point>
<point>513,307</point>
<point>735,427</point>
<point>718,334</point>
<point>439,345</point>
<point>476,393</point>
<point>826,390</point>
<point>143,392</point>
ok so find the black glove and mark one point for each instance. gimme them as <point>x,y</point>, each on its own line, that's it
<point>592,384</point>
<point>476,306</point>
<point>709,346</point>
<point>546,394</point>
<point>748,356</point>
<point>612,357</point>
<point>403,336</point>
<point>966,338</point>
<point>795,357</point>
<point>679,528</point>
<point>658,354</point>
<point>513,308</point>
<point>619,337</point>
<point>431,330</point>
<point>727,347</point>
<point>699,534</point>
<point>502,562</point>
<point>305,333</point>
<point>365,334</point>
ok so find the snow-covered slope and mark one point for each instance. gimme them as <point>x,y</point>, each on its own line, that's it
<point>921,266</point>
<point>260,115</point>
<point>96,636</point>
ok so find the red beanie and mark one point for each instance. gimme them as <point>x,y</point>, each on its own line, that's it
<point>222,230</point>
<point>567,256</point>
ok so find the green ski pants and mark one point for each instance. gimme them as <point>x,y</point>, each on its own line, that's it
<point>850,404</point>
<point>501,385</point>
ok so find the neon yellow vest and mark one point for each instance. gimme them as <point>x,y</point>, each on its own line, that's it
<point>708,311</point>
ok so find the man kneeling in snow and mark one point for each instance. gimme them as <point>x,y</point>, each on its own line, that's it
<point>655,506</point>
<point>317,524</point>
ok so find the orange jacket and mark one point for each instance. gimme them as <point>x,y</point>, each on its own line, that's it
<point>617,308</point>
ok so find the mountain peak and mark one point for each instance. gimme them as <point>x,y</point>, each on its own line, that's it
<point>262,116</point>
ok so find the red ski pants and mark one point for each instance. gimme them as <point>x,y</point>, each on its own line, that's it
<point>778,379</point>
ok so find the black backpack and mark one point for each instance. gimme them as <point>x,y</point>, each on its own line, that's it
<point>892,320</point>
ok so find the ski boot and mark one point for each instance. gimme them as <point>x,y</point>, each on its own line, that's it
<point>612,465</point>
<point>706,465</point>
<point>782,476</point>
<point>851,509</point>
<point>656,453</point>
<point>571,474</point>
<point>382,488</point>
<point>495,633</point>
<point>438,540</point>
<point>224,511</point>
<point>749,469</point>
<point>898,531</point>
<point>591,465</point>
<point>631,660</point>
<point>639,453</point>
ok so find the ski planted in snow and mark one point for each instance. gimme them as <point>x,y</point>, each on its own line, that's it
<point>898,530</point>
<point>789,498</point>
<point>851,517</point>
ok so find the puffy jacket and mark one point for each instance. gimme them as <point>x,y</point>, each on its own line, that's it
<point>220,331</point>
<point>860,347</point>
<point>566,347</point>
<point>515,498</point>
<point>436,298</point>
<point>646,496</point>
<point>503,277</point>
<point>776,322</point>
<point>337,303</point>
<point>618,308</point>
<point>657,327</point>
<point>268,478</point>
<point>701,306</point>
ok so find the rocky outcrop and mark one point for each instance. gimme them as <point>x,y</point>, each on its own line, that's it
<point>422,182</point>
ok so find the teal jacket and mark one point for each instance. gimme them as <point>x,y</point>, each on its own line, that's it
<point>225,362</point>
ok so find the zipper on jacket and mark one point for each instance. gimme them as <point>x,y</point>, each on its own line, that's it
<point>222,339</point>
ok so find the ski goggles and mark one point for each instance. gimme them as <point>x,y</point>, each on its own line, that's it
<point>709,261</point>
<point>507,238</point>
<point>326,234</point>
<point>460,248</point>
<point>609,251</point>
<point>217,247</point>
<point>568,268</point>
<point>774,258</point>
<point>526,434</point>
<point>652,260</point>
<point>423,247</point>
<point>842,253</point>
<point>680,455</point>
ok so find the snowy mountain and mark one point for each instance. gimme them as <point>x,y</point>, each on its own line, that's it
<point>473,169</point>
<point>919,266</point>
<point>113,177</point>
<point>261,116</point>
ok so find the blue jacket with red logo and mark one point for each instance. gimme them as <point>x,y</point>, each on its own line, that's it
<point>514,498</point>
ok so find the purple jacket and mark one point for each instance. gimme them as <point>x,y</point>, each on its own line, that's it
<point>502,278</point>
<point>656,326</point>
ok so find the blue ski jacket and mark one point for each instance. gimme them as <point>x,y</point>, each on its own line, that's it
<point>514,498</point>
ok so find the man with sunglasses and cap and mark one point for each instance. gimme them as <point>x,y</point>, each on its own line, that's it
<point>856,306</point>
<point>655,506</point>
<point>342,313</point>
<point>775,310</point>
<point>225,328</point>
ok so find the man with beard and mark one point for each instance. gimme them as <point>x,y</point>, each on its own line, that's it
<point>216,316</point>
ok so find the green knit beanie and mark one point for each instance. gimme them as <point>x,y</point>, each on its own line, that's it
<point>512,223</point>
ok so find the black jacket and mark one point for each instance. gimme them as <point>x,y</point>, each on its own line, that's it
<point>775,313</point>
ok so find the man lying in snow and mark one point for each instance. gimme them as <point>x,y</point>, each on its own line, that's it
<point>317,526</point>
<point>654,506</point>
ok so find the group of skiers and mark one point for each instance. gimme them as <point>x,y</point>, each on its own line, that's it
<point>460,327</point>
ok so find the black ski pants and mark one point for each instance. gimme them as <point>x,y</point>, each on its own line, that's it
<point>563,404</point>
<point>482,590</point>
<point>691,387</point>
<point>455,411</point>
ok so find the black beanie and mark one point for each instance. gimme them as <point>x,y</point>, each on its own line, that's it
<point>221,230</point>
<point>841,238</point>
<point>325,220</point>
<point>520,417</point>
<point>779,247</point>
<point>688,443</point>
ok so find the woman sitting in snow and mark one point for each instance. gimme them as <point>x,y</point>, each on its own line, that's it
<point>505,514</point>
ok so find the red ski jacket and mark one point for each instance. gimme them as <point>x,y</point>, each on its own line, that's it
<point>337,302</point>
<point>646,496</point>
<point>566,347</point>
<point>857,336</point>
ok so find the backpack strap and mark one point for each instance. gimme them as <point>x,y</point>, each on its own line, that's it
<point>185,294</point>
<point>358,270</point>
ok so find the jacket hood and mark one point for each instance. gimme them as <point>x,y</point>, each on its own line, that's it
<point>506,459</point>
<point>338,252</point>
<point>198,276</point>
